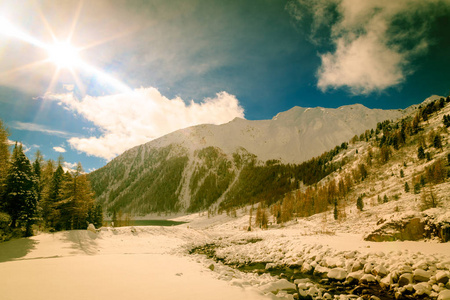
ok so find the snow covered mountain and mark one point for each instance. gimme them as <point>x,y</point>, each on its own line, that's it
<point>194,168</point>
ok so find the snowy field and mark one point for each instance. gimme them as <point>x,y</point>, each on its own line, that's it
<point>123,263</point>
<point>152,262</point>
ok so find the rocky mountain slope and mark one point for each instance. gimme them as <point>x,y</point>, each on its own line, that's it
<point>197,167</point>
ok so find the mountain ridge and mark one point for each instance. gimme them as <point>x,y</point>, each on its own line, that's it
<point>192,168</point>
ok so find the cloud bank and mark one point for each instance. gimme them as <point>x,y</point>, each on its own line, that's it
<point>373,42</point>
<point>130,119</point>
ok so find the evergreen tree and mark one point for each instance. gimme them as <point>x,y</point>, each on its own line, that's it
<point>406,187</point>
<point>420,153</point>
<point>335,211</point>
<point>437,143</point>
<point>76,204</point>
<point>52,213</point>
<point>4,158</point>
<point>20,193</point>
<point>360,203</point>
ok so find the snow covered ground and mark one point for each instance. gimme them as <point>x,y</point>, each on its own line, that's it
<point>153,262</point>
<point>122,263</point>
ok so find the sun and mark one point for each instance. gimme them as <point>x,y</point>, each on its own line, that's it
<point>64,55</point>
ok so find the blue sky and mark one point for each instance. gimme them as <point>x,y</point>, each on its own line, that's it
<point>147,68</point>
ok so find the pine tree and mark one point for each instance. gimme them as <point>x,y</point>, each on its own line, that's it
<point>360,203</point>
<point>406,187</point>
<point>4,157</point>
<point>335,211</point>
<point>437,143</point>
<point>20,192</point>
<point>420,153</point>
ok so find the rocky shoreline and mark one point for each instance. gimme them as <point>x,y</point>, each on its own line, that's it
<point>318,272</point>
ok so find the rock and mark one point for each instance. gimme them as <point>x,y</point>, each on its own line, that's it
<point>405,269</point>
<point>374,298</point>
<point>444,295</point>
<point>331,262</point>
<point>270,266</point>
<point>337,274</point>
<point>421,275</point>
<point>306,268</point>
<point>354,277</point>
<point>321,271</point>
<point>281,284</point>
<point>349,255</point>
<point>91,228</point>
<point>368,268</point>
<point>302,280</point>
<point>405,279</point>
<point>327,296</point>
<point>387,281</point>
<point>368,278</point>
<point>442,277</point>
<point>422,289</point>
<point>313,291</point>
<point>357,265</point>
<point>380,270</point>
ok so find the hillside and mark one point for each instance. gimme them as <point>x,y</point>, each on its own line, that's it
<point>194,168</point>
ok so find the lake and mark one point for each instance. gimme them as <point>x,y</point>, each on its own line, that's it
<point>151,223</point>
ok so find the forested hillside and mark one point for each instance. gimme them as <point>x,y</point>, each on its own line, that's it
<point>207,168</point>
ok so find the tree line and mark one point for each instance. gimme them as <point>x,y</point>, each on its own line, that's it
<point>40,194</point>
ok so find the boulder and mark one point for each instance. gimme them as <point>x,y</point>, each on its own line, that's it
<point>380,270</point>
<point>321,271</point>
<point>368,278</point>
<point>421,275</point>
<point>91,228</point>
<point>357,265</point>
<point>442,277</point>
<point>306,268</point>
<point>354,277</point>
<point>422,288</point>
<point>444,295</point>
<point>387,281</point>
<point>337,274</point>
<point>405,279</point>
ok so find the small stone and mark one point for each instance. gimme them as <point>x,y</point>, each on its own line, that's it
<point>405,279</point>
<point>421,275</point>
<point>444,295</point>
<point>327,296</point>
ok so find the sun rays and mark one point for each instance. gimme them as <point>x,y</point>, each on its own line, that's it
<point>61,53</point>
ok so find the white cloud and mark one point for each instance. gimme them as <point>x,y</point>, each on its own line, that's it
<point>70,166</point>
<point>40,128</point>
<point>369,38</point>
<point>133,118</point>
<point>59,149</point>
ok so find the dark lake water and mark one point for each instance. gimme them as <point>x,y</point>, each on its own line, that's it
<point>150,223</point>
